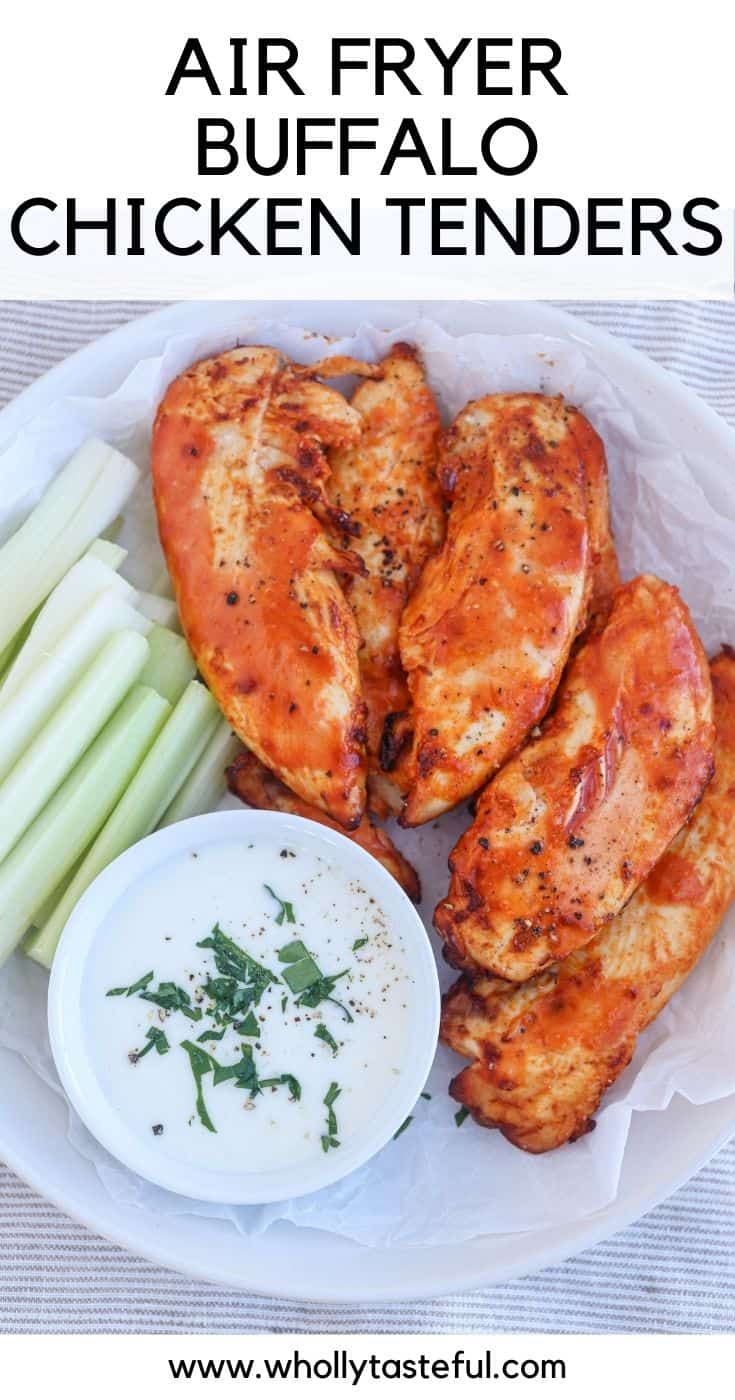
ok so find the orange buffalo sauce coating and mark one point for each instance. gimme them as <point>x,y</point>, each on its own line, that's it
<point>239,467</point>
<point>544,1052</point>
<point>568,830</point>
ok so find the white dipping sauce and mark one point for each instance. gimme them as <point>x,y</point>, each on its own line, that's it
<point>156,926</point>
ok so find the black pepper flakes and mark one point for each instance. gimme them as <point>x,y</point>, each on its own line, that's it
<point>232,599</point>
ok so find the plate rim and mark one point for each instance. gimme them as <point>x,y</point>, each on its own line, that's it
<point>480,1271</point>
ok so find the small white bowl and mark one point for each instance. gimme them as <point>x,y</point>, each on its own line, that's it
<point>76,1066</point>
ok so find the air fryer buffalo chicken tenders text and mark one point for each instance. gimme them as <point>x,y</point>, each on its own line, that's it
<point>401,618</point>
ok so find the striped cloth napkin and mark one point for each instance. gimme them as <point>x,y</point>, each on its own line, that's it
<point>672,1272</point>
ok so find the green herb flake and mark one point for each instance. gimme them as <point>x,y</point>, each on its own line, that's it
<point>460,1116</point>
<point>359,943</point>
<point>211,1035</point>
<point>156,1041</point>
<point>138,986</point>
<point>235,966</point>
<point>301,975</point>
<point>322,1033</point>
<point>242,1073</point>
<point>170,997</point>
<point>285,909</point>
<point>405,1124</point>
<point>289,1080</point>
<point>250,1026</point>
<point>201,1064</point>
<point>330,1098</point>
<point>284,1004</point>
<point>292,952</point>
<point>322,991</point>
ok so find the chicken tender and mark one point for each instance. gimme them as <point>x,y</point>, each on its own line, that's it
<point>544,1053</point>
<point>239,470</point>
<point>487,632</point>
<point>387,483</point>
<point>570,828</point>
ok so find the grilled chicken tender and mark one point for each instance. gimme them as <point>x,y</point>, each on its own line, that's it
<point>239,469</point>
<point>570,828</point>
<point>253,784</point>
<point>489,627</point>
<point>387,483</point>
<point>543,1054</point>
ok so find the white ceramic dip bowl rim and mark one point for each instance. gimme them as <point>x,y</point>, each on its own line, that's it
<point>69,1044</point>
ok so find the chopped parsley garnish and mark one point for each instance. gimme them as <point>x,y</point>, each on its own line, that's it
<point>321,990</point>
<point>173,998</point>
<point>243,1072</point>
<point>292,952</point>
<point>236,965</point>
<point>200,1065</point>
<point>405,1124</point>
<point>138,986</point>
<point>228,1001</point>
<point>460,1116</point>
<point>330,1139</point>
<point>359,943</point>
<point>156,1041</point>
<point>289,1079</point>
<point>322,1033</point>
<point>285,909</point>
<point>306,980</point>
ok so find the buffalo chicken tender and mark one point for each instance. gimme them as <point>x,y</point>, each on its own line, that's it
<point>544,1053</point>
<point>253,784</point>
<point>570,828</point>
<point>387,483</point>
<point>239,468</point>
<point>487,632</point>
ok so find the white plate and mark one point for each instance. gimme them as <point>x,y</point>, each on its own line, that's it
<point>308,1264</point>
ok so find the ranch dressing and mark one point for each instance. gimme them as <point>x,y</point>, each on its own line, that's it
<point>287,908</point>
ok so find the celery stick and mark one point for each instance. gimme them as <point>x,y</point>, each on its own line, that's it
<point>63,740</point>
<point>9,653</point>
<point>163,771</point>
<point>83,583</point>
<point>32,563</point>
<point>46,685</point>
<point>109,553</point>
<point>60,501</point>
<point>160,610</point>
<point>40,916</point>
<point>206,785</point>
<point>170,665</point>
<point>53,843</point>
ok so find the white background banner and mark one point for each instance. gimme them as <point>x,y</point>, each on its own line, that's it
<point>572,1367</point>
<point>533,149</point>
